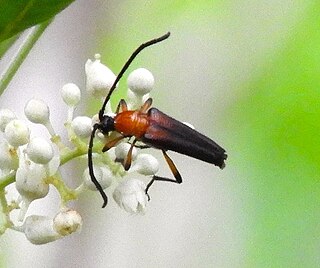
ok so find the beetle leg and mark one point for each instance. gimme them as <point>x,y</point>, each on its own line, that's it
<point>174,170</point>
<point>172,167</point>
<point>123,105</point>
<point>142,146</point>
<point>128,160</point>
<point>112,143</point>
<point>144,108</point>
<point>157,178</point>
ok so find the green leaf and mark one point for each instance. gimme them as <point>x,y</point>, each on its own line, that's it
<point>19,15</point>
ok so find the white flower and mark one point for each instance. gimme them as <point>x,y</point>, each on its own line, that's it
<point>82,126</point>
<point>6,116</point>
<point>140,81</point>
<point>71,94</point>
<point>37,111</point>
<point>130,195</point>
<point>39,150</point>
<point>146,164</point>
<point>53,165</point>
<point>135,101</point>
<point>67,222</point>
<point>30,181</point>
<point>17,133</point>
<point>99,77</point>
<point>107,176</point>
<point>103,175</point>
<point>39,230</point>
<point>122,150</point>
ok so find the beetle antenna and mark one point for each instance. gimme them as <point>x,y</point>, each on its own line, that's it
<point>125,67</point>
<point>90,165</point>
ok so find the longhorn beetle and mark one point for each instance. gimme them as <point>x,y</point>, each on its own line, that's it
<point>153,128</point>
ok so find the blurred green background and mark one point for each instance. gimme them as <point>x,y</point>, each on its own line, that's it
<point>247,74</point>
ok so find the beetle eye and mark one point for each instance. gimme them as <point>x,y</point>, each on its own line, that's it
<point>107,124</point>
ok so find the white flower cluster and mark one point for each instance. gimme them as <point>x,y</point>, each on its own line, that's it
<point>32,163</point>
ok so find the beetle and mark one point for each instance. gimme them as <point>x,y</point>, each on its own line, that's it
<point>155,129</point>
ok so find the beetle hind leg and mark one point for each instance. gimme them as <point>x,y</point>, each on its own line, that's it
<point>172,167</point>
<point>174,170</point>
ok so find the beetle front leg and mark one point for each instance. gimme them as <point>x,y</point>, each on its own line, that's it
<point>112,143</point>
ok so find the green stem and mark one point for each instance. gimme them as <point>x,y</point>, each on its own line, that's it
<point>82,149</point>
<point>8,179</point>
<point>22,53</point>
<point>68,154</point>
<point>65,192</point>
<point>5,222</point>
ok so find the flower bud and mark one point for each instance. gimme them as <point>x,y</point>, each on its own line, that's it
<point>135,101</point>
<point>146,164</point>
<point>67,222</point>
<point>103,175</point>
<point>140,81</point>
<point>6,116</point>
<point>29,181</point>
<point>17,133</point>
<point>107,176</point>
<point>39,151</point>
<point>8,157</point>
<point>130,195</point>
<point>70,94</point>
<point>82,126</point>
<point>39,229</point>
<point>122,150</point>
<point>37,111</point>
<point>99,77</point>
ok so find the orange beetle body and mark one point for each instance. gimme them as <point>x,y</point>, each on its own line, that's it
<point>131,123</point>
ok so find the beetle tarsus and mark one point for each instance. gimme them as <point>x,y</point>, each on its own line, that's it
<point>158,178</point>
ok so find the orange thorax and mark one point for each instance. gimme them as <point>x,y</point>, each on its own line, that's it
<point>131,123</point>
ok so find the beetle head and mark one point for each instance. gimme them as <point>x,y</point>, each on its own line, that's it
<point>106,124</point>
